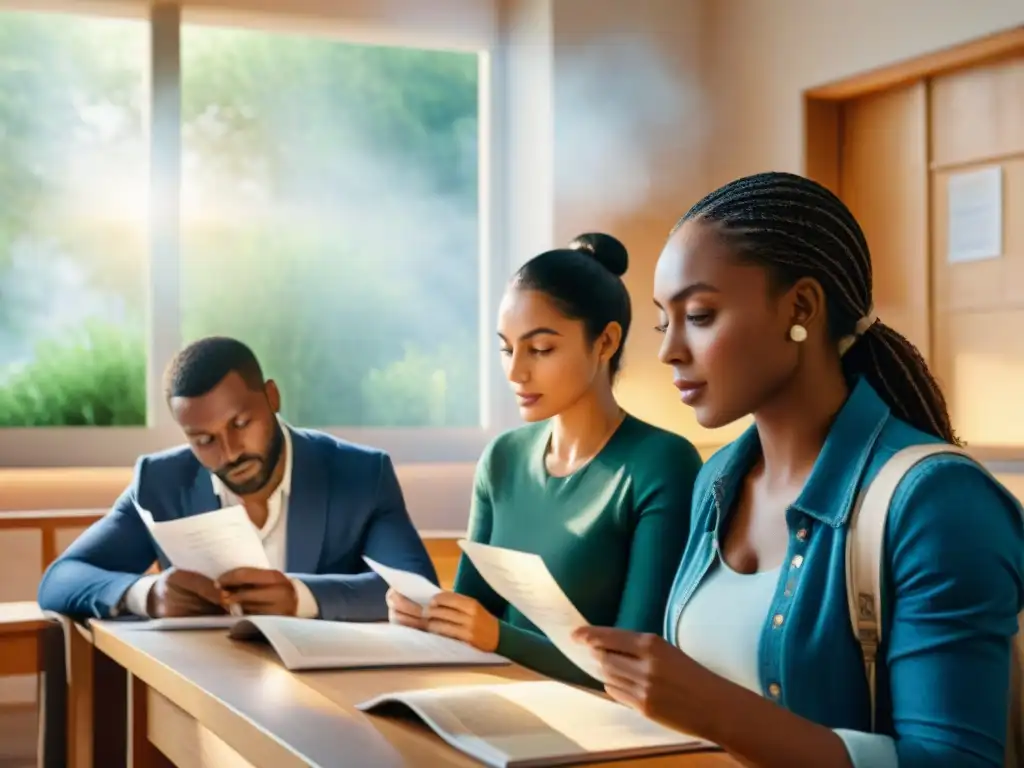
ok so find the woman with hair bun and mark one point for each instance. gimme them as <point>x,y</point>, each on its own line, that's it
<point>602,496</point>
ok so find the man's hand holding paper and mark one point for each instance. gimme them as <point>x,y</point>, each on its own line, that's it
<point>177,593</point>
<point>219,565</point>
<point>258,591</point>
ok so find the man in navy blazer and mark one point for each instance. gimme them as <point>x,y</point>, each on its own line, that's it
<point>319,504</point>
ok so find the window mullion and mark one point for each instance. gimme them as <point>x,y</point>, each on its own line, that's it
<point>164,208</point>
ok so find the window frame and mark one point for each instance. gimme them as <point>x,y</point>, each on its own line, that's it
<point>121,446</point>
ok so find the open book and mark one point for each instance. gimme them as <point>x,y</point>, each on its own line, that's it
<point>544,723</point>
<point>315,644</point>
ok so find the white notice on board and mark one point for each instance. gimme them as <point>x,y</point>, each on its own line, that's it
<point>976,215</point>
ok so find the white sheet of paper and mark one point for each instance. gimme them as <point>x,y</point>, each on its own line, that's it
<point>410,585</point>
<point>212,543</point>
<point>524,581</point>
<point>975,217</point>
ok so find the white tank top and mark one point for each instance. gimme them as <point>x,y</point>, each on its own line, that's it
<point>720,627</point>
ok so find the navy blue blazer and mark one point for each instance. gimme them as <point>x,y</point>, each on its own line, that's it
<point>345,502</point>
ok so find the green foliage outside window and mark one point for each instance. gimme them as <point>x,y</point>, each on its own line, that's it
<point>338,234</point>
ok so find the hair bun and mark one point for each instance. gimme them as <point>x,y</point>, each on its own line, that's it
<point>607,250</point>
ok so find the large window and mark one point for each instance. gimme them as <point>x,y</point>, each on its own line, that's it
<point>328,211</point>
<point>72,221</point>
<point>330,219</point>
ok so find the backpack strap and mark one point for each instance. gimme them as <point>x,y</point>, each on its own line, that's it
<point>865,542</point>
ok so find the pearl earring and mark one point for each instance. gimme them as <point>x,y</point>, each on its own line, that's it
<point>798,333</point>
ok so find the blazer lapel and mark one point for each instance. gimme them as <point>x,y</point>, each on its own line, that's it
<point>199,497</point>
<point>307,507</point>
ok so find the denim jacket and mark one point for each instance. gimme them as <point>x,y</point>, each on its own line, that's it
<point>953,583</point>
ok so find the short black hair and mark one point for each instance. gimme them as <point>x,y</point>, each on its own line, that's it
<point>584,281</point>
<point>795,227</point>
<point>204,364</point>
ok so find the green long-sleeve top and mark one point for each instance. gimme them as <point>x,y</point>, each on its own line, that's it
<point>612,533</point>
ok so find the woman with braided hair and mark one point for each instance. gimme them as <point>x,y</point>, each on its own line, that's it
<point>764,295</point>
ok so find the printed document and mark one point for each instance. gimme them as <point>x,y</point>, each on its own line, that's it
<point>212,543</point>
<point>525,582</point>
<point>542,723</point>
<point>411,585</point>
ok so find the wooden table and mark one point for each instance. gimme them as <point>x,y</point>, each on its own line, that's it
<point>199,698</point>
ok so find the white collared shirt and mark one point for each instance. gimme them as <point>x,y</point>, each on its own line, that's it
<point>274,535</point>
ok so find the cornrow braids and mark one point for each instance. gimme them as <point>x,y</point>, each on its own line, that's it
<point>797,228</point>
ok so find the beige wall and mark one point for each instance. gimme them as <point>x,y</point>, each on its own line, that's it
<point>631,123</point>
<point>762,54</point>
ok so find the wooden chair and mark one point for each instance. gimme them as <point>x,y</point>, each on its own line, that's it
<point>33,644</point>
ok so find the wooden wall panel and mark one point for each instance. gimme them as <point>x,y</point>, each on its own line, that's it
<point>884,172</point>
<point>977,121</point>
<point>823,129</point>
<point>978,114</point>
<point>981,371</point>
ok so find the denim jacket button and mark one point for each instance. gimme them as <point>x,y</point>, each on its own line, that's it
<point>802,534</point>
<point>774,690</point>
<point>777,620</point>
